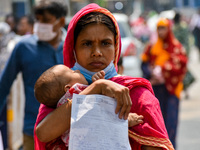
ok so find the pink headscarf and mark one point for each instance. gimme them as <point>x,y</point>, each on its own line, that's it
<point>68,50</point>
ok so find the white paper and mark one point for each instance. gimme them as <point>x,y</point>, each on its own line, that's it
<point>95,126</point>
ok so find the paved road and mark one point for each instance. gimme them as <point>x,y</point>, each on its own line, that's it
<point>188,137</point>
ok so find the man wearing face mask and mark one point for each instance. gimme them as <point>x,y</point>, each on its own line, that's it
<point>32,56</point>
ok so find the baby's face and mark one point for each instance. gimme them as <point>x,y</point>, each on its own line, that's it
<point>75,77</point>
<point>68,76</point>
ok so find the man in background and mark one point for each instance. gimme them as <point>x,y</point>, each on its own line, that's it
<point>32,56</point>
<point>25,25</point>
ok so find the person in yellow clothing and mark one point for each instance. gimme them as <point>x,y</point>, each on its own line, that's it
<point>164,65</point>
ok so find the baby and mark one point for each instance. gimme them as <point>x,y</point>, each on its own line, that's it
<point>53,84</point>
<point>57,85</point>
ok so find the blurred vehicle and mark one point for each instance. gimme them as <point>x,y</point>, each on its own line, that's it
<point>167,14</point>
<point>131,47</point>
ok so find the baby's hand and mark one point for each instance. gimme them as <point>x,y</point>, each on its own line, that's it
<point>134,119</point>
<point>98,75</point>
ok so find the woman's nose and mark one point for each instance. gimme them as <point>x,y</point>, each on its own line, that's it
<point>96,51</point>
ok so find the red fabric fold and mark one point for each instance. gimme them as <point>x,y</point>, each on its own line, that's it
<point>152,132</point>
<point>42,113</point>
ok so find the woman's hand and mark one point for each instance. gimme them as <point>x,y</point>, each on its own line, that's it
<point>157,76</point>
<point>114,90</point>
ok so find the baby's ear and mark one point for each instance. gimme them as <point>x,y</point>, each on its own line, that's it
<point>67,87</point>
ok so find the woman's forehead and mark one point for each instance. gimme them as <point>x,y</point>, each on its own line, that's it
<point>96,30</point>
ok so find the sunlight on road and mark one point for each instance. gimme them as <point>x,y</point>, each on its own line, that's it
<point>188,136</point>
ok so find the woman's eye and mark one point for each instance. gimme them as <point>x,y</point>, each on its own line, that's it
<point>87,44</point>
<point>105,43</point>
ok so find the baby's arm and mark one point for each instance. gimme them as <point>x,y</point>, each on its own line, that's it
<point>134,119</point>
<point>98,75</point>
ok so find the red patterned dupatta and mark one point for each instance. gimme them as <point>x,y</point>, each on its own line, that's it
<point>152,132</point>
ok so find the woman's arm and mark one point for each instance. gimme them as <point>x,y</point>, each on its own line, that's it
<point>58,121</point>
<point>55,123</point>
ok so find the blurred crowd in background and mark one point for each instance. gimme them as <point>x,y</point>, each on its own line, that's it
<point>137,30</point>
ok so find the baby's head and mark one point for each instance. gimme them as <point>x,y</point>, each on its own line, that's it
<point>54,82</point>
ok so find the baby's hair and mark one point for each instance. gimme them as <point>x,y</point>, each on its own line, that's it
<point>47,88</point>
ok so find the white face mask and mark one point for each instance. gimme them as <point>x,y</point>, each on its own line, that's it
<point>44,31</point>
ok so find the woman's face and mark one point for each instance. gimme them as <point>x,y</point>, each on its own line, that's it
<point>95,47</point>
<point>162,32</point>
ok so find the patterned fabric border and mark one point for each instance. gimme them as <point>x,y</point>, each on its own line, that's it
<point>152,141</point>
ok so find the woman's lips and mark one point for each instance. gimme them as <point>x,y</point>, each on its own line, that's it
<point>96,64</point>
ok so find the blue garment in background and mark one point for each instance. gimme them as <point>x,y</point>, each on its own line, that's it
<point>169,106</point>
<point>32,58</point>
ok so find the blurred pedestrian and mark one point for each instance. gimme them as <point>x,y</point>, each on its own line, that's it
<point>164,64</point>
<point>32,56</point>
<point>25,25</point>
<point>8,40</point>
<point>181,32</point>
<point>141,29</point>
<point>195,29</point>
<point>5,37</point>
<point>12,21</point>
<point>24,28</point>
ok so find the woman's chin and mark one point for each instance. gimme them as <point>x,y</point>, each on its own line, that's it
<point>96,68</point>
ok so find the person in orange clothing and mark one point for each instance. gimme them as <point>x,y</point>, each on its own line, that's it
<point>164,65</point>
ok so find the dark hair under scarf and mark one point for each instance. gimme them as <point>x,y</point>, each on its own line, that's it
<point>93,18</point>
